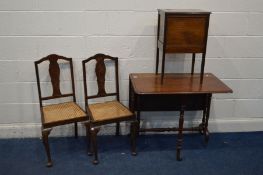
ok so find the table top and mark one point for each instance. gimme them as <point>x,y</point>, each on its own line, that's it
<point>180,83</point>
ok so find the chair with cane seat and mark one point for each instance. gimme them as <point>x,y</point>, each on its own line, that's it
<point>62,113</point>
<point>105,112</point>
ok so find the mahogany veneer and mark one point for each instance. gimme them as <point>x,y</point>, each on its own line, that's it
<point>182,31</point>
<point>178,92</point>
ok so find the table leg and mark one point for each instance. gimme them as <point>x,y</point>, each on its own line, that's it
<point>202,125</point>
<point>206,132</point>
<point>180,136</point>
<point>139,121</point>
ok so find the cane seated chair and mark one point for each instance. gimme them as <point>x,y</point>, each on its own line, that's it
<point>109,111</point>
<point>61,113</point>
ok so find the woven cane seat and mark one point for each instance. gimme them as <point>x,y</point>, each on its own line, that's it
<point>62,112</point>
<point>108,110</point>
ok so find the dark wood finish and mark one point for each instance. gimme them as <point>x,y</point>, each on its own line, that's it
<point>193,64</point>
<point>157,50</point>
<point>185,33</point>
<point>148,83</point>
<point>54,72</point>
<point>180,135</point>
<point>182,31</point>
<point>45,134</point>
<point>205,128</point>
<point>100,71</point>
<point>179,92</point>
<point>94,132</point>
<point>134,129</point>
<point>88,134</point>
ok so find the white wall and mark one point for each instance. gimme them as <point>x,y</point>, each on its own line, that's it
<point>31,29</point>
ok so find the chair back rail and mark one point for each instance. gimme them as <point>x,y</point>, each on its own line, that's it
<point>54,72</point>
<point>100,71</point>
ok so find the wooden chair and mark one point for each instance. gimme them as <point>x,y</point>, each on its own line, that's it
<point>62,113</point>
<point>109,111</point>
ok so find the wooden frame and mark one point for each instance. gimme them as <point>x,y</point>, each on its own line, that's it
<point>183,93</point>
<point>189,37</point>
<point>100,71</point>
<point>54,72</point>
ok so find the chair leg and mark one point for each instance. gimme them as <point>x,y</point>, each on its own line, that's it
<point>134,128</point>
<point>180,136</point>
<point>88,134</point>
<point>76,129</point>
<point>94,132</point>
<point>117,128</point>
<point>45,133</point>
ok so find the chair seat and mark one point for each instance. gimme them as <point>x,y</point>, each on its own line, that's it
<point>108,111</point>
<point>62,112</point>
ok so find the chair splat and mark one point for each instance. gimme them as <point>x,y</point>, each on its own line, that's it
<point>100,73</point>
<point>54,72</point>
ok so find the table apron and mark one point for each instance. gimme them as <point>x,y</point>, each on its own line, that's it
<point>169,102</point>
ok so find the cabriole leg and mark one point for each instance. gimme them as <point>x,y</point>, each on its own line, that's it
<point>45,133</point>
<point>134,128</point>
<point>117,128</point>
<point>76,129</point>
<point>88,134</point>
<point>94,132</point>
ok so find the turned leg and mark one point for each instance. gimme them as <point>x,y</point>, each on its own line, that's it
<point>94,132</point>
<point>180,136</point>
<point>139,122</point>
<point>206,132</point>
<point>117,128</point>
<point>76,129</point>
<point>202,125</point>
<point>134,128</point>
<point>45,133</point>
